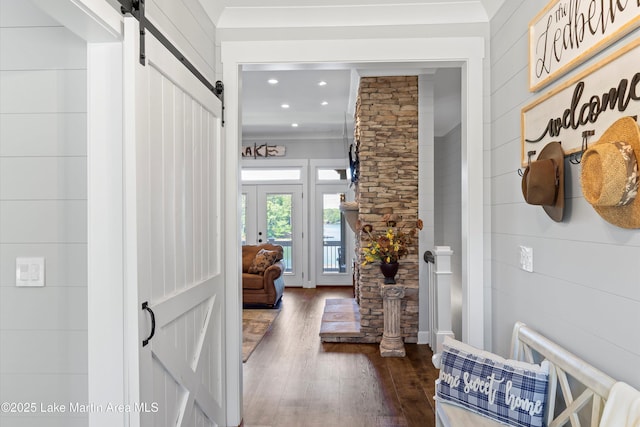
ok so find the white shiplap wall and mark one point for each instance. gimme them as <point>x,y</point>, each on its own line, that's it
<point>186,24</point>
<point>43,192</point>
<point>584,292</point>
<point>448,213</point>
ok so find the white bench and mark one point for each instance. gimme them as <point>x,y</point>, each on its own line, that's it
<point>577,391</point>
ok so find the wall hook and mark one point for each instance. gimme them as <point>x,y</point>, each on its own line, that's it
<point>576,158</point>
<point>529,154</point>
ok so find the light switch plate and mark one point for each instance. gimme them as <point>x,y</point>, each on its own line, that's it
<point>30,271</point>
<point>526,259</point>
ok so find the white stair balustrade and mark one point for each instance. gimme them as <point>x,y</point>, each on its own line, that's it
<point>440,277</point>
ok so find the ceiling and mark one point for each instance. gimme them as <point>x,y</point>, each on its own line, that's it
<point>303,13</point>
<point>324,112</point>
<point>319,111</point>
<point>263,117</point>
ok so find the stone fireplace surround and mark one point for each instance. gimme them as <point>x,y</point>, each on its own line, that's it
<point>386,135</point>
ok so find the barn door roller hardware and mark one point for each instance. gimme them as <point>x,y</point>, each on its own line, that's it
<point>136,9</point>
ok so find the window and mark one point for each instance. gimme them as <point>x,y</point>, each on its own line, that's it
<point>280,225</point>
<point>333,235</point>
<point>332,174</point>
<point>255,174</point>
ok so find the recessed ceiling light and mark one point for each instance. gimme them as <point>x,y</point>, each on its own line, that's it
<point>272,81</point>
<point>285,106</point>
<point>294,125</point>
<point>324,103</point>
<point>322,83</point>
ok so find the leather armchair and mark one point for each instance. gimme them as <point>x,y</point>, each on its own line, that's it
<point>266,288</point>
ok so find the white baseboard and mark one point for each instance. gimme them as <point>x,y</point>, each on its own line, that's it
<point>423,337</point>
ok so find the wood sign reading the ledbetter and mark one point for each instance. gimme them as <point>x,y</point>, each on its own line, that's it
<point>568,32</point>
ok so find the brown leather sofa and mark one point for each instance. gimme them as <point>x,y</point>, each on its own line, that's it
<point>262,288</point>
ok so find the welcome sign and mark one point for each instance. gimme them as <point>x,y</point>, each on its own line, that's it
<point>590,102</point>
<point>567,32</point>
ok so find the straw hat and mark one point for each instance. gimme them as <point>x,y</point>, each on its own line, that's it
<point>543,181</point>
<point>610,174</point>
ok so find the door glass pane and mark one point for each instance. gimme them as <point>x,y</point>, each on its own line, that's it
<point>279,225</point>
<point>333,233</point>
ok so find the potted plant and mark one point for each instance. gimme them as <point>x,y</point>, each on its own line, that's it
<point>389,245</point>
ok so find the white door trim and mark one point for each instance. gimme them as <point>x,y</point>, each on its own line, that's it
<point>466,50</point>
<point>105,228</point>
<point>100,26</point>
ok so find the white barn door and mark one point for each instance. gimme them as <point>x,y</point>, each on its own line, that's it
<point>173,256</point>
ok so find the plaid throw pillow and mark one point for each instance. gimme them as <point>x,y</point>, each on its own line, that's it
<point>507,391</point>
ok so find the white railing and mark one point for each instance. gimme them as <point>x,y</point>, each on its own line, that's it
<point>439,263</point>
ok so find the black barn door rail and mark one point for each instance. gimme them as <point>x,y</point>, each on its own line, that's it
<point>136,9</point>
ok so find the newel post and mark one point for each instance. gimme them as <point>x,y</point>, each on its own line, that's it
<point>443,294</point>
<point>392,344</point>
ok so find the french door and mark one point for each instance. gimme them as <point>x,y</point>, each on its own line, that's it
<point>173,257</point>
<point>334,254</point>
<point>273,214</point>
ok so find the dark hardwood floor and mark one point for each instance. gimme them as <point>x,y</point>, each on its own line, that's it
<point>294,380</point>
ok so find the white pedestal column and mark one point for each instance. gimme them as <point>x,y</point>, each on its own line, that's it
<point>392,344</point>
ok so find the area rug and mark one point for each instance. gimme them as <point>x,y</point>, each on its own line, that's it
<point>255,323</point>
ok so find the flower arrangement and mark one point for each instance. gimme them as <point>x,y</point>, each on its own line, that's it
<point>391,244</point>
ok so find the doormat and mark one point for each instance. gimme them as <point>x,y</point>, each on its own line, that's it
<point>255,324</point>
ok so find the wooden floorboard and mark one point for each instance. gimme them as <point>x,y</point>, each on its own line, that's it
<point>292,379</point>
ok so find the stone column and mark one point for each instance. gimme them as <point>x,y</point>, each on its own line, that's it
<point>387,138</point>
<point>391,344</point>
